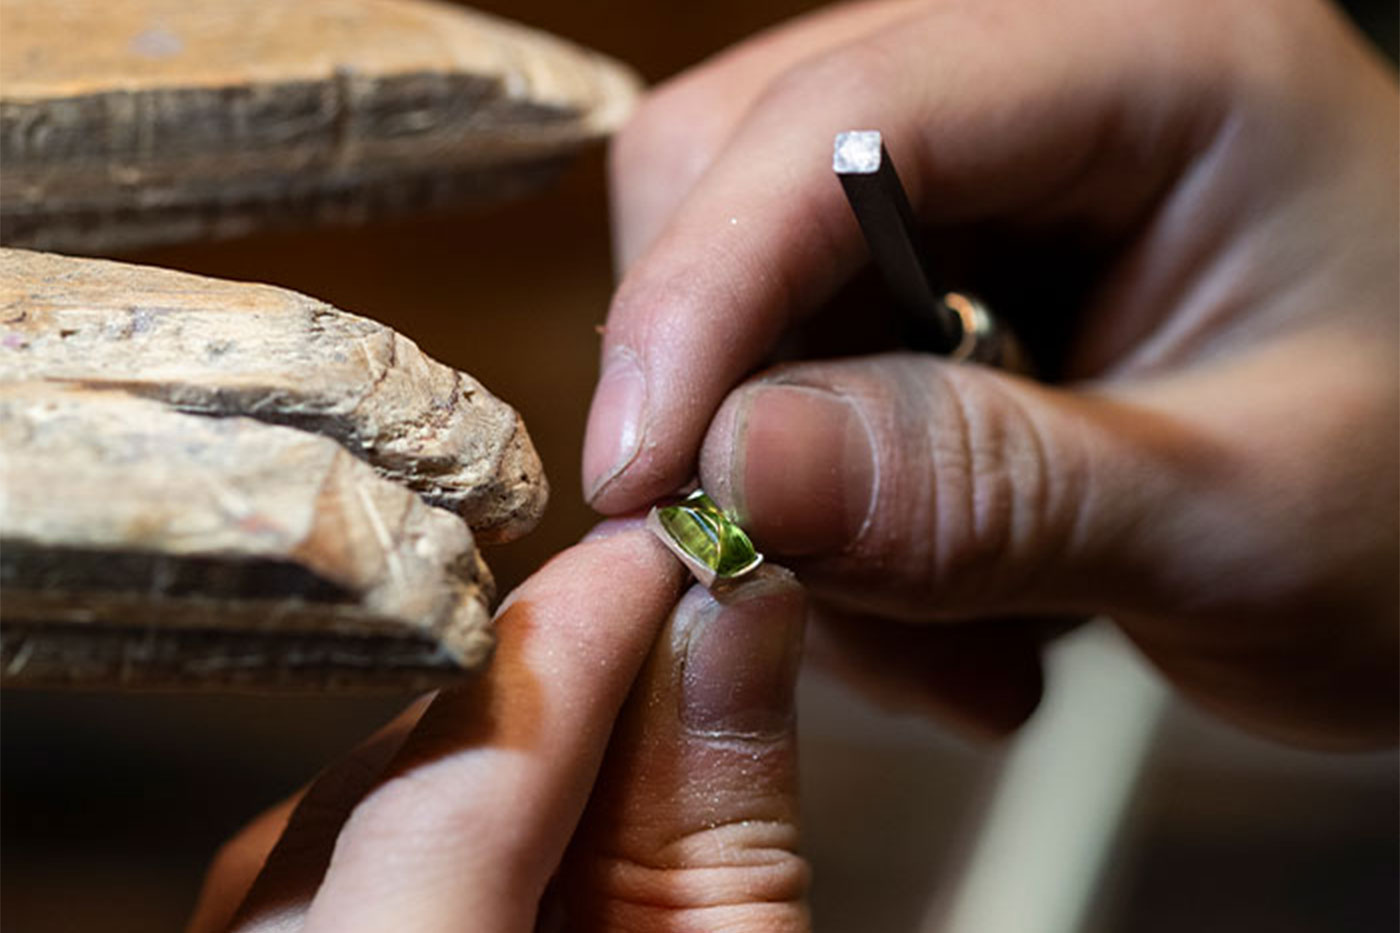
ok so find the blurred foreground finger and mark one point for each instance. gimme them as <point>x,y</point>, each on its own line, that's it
<point>466,824</point>
<point>487,791</point>
<point>693,824</point>
<point>236,865</point>
<point>265,877</point>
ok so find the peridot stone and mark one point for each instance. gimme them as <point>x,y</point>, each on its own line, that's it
<point>706,533</point>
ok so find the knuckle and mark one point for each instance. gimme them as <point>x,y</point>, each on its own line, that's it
<point>747,872</point>
<point>848,77</point>
<point>991,487</point>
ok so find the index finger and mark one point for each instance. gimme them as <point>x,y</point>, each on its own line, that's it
<point>990,109</point>
<point>472,815</point>
<point>680,129</point>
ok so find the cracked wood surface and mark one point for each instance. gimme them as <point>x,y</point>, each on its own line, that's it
<point>143,546</point>
<point>210,484</point>
<point>133,122</point>
<point>214,347</point>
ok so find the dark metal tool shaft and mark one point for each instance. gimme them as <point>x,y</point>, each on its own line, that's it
<point>882,208</point>
<point>955,324</point>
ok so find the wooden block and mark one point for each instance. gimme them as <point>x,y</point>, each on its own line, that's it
<point>134,122</point>
<point>147,547</point>
<point>214,485</point>
<point>219,348</point>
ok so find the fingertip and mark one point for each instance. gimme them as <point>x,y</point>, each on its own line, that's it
<point>740,648</point>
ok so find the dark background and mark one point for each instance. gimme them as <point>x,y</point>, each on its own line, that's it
<point>111,805</point>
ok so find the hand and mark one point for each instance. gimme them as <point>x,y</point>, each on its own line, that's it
<point>458,815</point>
<point>1203,200</point>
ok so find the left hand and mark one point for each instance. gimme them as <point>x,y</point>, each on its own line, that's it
<point>459,814</point>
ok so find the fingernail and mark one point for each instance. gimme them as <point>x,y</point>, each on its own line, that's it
<point>742,650</point>
<point>804,467</point>
<point>614,432</point>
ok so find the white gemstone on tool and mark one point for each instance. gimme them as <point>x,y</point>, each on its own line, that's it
<point>857,152</point>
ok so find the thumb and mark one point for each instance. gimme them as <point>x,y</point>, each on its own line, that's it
<point>693,821</point>
<point>911,487</point>
<point>1231,517</point>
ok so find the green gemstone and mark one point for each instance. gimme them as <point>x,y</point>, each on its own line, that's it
<point>704,531</point>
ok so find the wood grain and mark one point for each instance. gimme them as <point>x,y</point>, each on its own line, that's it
<point>210,484</point>
<point>147,547</point>
<point>132,122</point>
<point>213,347</point>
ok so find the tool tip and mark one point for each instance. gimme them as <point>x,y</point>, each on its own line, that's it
<point>857,152</point>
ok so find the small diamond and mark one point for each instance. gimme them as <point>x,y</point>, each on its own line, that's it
<point>856,152</point>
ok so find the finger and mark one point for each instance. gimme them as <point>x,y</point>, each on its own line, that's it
<point>694,821</point>
<point>766,235</point>
<point>235,866</point>
<point>910,487</point>
<point>677,132</point>
<point>918,488</point>
<point>291,867</point>
<point>474,813</point>
<point>983,680</point>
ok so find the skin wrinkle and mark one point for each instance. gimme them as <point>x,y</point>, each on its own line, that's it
<point>991,481</point>
<point>1033,521</point>
<point>1140,440</point>
<point>779,877</point>
<point>681,819</point>
<point>1123,433</point>
<point>1164,329</point>
<point>702,869</point>
<point>768,918</point>
<point>1234,128</point>
<point>1079,493</point>
<point>946,560</point>
<point>878,466</point>
<point>998,483</point>
<point>745,840</point>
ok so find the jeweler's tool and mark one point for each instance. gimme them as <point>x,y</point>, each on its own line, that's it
<point>938,321</point>
<point>701,534</point>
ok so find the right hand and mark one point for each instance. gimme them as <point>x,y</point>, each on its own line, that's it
<point>1218,471</point>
